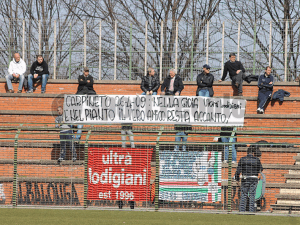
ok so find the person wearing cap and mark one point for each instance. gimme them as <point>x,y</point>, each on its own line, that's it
<point>236,73</point>
<point>86,81</point>
<point>150,83</point>
<point>250,166</point>
<point>172,84</point>
<point>205,82</point>
<point>265,85</point>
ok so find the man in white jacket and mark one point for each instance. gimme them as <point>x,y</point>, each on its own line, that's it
<point>16,69</point>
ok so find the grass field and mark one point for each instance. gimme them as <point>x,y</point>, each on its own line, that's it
<point>83,217</point>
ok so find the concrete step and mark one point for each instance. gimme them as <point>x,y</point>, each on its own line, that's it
<point>289,202</point>
<point>290,197</point>
<point>291,191</point>
<point>292,176</point>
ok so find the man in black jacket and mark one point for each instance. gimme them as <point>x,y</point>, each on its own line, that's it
<point>250,166</point>
<point>205,82</point>
<point>236,73</point>
<point>38,70</point>
<point>150,83</point>
<point>265,85</point>
<point>172,84</point>
<point>86,82</point>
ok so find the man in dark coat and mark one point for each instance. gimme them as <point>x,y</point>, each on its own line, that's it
<point>86,82</point>
<point>250,166</point>
<point>205,82</point>
<point>265,85</point>
<point>150,83</point>
<point>236,73</point>
<point>172,84</point>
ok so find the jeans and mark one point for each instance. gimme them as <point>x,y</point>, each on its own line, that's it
<point>226,140</point>
<point>239,78</point>
<point>66,138</point>
<point>128,132</point>
<point>181,136</point>
<point>154,93</point>
<point>11,77</point>
<point>204,93</point>
<point>44,81</point>
<point>248,187</point>
<point>263,97</point>
<point>79,132</point>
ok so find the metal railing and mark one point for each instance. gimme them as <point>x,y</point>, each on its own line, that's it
<point>120,50</point>
<point>152,168</point>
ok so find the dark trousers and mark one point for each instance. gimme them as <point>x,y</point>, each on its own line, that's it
<point>237,81</point>
<point>86,91</point>
<point>66,139</point>
<point>263,97</point>
<point>248,188</point>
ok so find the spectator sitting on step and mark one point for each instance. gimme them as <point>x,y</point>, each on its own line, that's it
<point>86,81</point>
<point>172,84</point>
<point>250,166</point>
<point>66,136</point>
<point>265,85</point>
<point>236,73</point>
<point>38,70</point>
<point>205,82</point>
<point>16,70</point>
<point>150,83</point>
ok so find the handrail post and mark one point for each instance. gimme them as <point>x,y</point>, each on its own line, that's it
<point>157,169</point>
<point>14,197</point>
<point>230,169</point>
<point>86,145</point>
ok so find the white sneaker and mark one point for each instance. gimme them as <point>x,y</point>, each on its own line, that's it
<point>261,111</point>
<point>225,161</point>
<point>258,110</point>
<point>233,162</point>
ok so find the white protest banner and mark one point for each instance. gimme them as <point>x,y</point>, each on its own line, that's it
<point>100,109</point>
<point>190,176</point>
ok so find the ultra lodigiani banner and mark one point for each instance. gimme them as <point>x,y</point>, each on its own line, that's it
<point>190,176</point>
<point>97,109</point>
<point>119,174</point>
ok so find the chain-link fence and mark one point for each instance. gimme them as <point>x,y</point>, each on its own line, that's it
<point>149,167</point>
<point>123,50</point>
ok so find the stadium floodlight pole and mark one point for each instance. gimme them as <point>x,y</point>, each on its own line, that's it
<point>161,49</point>
<point>100,49</point>
<point>286,51</point>
<point>238,39</point>
<point>84,43</point>
<point>176,45</point>
<point>223,43</point>
<point>54,53</point>
<point>40,37</point>
<point>23,44</point>
<point>146,37</point>
<point>115,59</point>
<point>270,44</point>
<point>207,42</point>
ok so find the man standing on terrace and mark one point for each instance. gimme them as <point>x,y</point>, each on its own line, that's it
<point>250,166</point>
<point>236,73</point>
